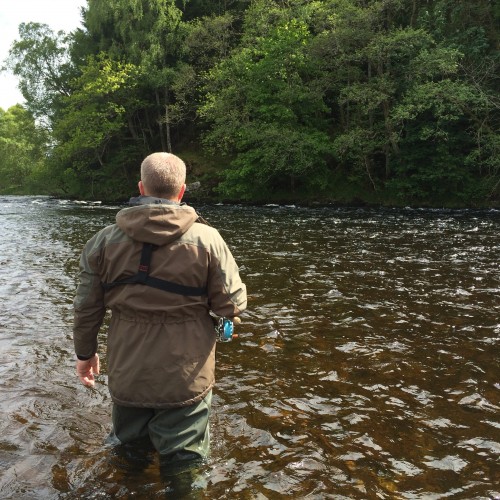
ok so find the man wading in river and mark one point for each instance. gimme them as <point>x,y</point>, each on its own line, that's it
<point>160,271</point>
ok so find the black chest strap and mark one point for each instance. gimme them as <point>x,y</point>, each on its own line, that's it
<point>142,278</point>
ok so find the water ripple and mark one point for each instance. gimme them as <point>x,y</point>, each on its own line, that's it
<point>366,365</point>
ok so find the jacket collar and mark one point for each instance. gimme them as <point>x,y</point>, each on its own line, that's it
<point>150,200</point>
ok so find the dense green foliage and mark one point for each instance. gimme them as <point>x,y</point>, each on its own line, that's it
<point>379,101</point>
<point>23,148</point>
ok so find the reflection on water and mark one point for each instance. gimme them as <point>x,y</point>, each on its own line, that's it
<point>367,365</point>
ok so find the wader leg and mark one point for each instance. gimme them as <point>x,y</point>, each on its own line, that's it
<point>182,433</point>
<point>130,424</point>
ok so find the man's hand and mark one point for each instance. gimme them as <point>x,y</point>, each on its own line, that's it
<point>86,370</point>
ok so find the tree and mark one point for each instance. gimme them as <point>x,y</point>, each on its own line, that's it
<point>145,33</point>
<point>40,60</point>
<point>96,117</point>
<point>379,62</point>
<point>23,147</point>
<point>472,29</point>
<point>263,111</point>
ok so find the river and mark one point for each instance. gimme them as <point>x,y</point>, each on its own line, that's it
<point>367,365</point>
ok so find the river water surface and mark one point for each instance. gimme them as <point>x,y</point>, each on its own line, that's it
<point>367,365</point>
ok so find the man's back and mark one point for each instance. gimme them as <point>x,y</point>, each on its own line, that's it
<point>157,336</point>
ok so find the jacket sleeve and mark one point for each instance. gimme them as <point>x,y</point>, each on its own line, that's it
<point>227,294</point>
<point>89,308</point>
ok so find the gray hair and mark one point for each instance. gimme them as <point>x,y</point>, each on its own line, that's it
<point>163,175</point>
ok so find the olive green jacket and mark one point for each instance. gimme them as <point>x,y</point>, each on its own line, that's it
<point>160,345</point>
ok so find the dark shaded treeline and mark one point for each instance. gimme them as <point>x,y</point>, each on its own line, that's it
<point>375,101</point>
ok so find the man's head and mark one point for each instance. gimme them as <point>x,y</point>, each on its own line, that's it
<point>163,175</point>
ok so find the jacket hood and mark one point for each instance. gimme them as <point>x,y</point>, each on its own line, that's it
<point>159,223</point>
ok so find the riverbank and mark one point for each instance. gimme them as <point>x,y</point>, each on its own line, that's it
<point>204,187</point>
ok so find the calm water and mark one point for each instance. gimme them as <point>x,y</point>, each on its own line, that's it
<point>367,365</point>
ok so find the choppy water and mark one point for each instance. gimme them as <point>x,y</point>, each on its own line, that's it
<point>367,365</point>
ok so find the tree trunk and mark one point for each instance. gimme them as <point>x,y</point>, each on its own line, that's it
<point>390,136</point>
<point>167,121</point>
<point>367,166</point>
<point>413,13</point>
<point>167,127</point>
<point>370,113</point>
<point>160,123</point>
<point>131,127</point>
